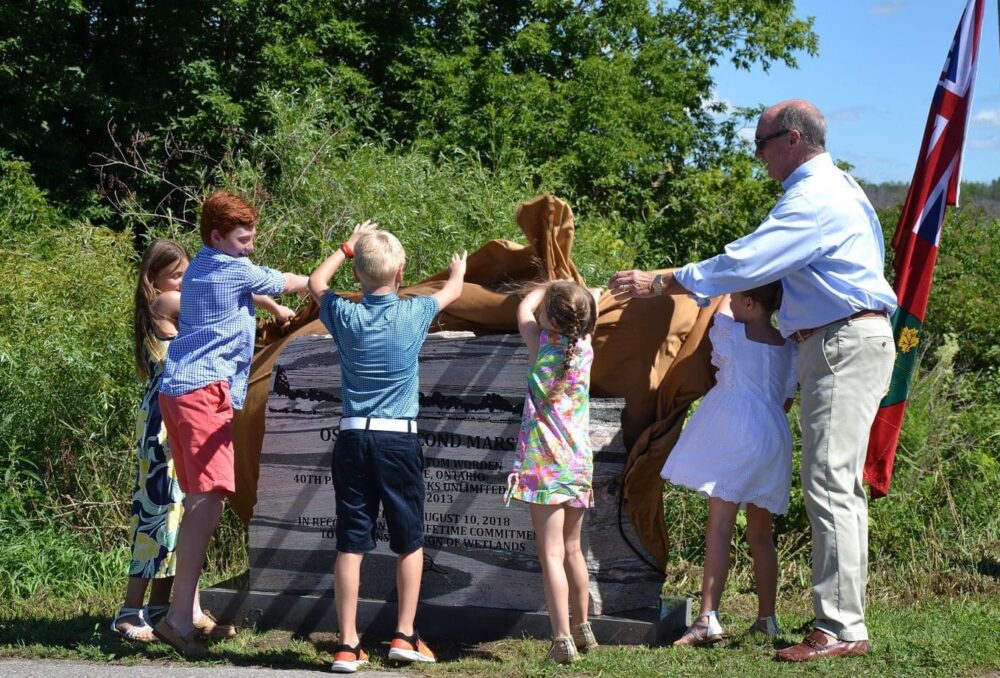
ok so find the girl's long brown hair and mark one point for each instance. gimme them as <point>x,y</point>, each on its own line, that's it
<point>572,310</point>
<point>159,256</point>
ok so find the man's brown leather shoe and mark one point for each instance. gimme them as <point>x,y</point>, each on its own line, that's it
<point>818,645</point>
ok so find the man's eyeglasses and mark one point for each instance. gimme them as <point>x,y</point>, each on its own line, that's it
<point>761,142</point>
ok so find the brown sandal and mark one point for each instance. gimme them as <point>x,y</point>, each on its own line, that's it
<point>189,646</point>
<point>209,627</point>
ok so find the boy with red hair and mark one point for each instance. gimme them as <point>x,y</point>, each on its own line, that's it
<point>204,380</point>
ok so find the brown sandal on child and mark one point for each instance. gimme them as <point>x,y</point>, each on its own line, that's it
<point>189,646</point>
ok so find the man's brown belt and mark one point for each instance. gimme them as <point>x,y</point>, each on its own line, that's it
<point>799,336</point>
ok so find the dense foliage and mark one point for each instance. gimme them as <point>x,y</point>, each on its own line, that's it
<point>312,188</point>
<point>67,394</point>
<point>436,119</point>
<point>609,104</point>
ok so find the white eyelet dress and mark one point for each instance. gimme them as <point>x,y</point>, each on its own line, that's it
<point>737,445</point>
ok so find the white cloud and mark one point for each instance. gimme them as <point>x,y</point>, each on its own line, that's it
<point>887,8</point>
<point>987,118</point>
<point>987,144</point>
<point>850,114</point>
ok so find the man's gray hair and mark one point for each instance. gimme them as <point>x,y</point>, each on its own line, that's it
<point>808,121</point>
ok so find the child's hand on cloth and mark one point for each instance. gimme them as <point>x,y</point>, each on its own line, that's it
<point>283,314</point>
<point>366,226</point>
<point>456,267</point>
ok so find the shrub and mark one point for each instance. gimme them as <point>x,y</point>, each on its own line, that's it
<point>966,289</point>
<point>23,206</point>
<point>66,383</point>
<point>940,514</point>
<point>312,186</point>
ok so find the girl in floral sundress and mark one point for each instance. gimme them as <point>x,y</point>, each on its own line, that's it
<point>157,500</point>
<point>553,470</point>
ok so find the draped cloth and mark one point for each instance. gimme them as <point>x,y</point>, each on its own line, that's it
<point>654,353</point>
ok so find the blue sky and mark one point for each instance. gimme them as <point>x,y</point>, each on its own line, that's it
<point>874,76</point>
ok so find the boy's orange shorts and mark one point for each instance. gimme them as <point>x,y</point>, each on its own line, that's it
<point>200,430</point>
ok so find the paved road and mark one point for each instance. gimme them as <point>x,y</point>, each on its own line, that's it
<point>25,668</point>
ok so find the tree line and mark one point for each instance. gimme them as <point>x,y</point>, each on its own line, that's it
<point>973,194</point>
<point>607,103</point>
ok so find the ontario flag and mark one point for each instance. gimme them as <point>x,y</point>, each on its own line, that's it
<point>918,233</point>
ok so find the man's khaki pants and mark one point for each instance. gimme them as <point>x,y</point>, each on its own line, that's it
<point>843,372</point>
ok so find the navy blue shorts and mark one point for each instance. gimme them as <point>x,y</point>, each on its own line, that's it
<point>372,467</point>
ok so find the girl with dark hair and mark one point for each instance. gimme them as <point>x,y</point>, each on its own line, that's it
<point>737,451</point>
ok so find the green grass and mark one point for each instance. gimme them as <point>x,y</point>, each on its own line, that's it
<point>31,561</point>
<point>43,565</point>
<point>936,636</point>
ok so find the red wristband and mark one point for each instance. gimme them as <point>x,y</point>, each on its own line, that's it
<point>347,250</point>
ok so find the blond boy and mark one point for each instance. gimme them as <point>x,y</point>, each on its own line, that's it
<point>377,457</point>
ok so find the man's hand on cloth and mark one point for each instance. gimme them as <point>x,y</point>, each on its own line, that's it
<point>632,284</point>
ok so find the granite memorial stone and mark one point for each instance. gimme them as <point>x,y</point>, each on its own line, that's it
<point>478,552</point>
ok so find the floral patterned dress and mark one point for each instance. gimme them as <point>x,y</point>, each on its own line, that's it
<point>554,463</point>
<point>157,498</point>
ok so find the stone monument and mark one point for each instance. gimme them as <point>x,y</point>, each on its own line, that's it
<point>482,578</point>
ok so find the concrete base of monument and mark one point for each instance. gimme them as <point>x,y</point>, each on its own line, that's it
<point>307,613</point>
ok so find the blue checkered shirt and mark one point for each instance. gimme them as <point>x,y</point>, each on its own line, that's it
<point>217,325</point>
<point>379,340</point>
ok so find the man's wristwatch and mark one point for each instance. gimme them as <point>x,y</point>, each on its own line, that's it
<point>658,284</point>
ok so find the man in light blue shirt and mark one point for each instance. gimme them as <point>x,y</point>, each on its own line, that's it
<point>823,241</point>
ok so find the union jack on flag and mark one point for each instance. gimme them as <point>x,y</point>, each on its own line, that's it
<point>935,184</point>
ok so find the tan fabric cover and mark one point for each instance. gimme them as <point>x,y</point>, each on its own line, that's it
<point>654,353</point>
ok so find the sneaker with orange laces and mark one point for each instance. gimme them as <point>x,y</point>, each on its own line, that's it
<point>347,659</point>
<point>406,648</point>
